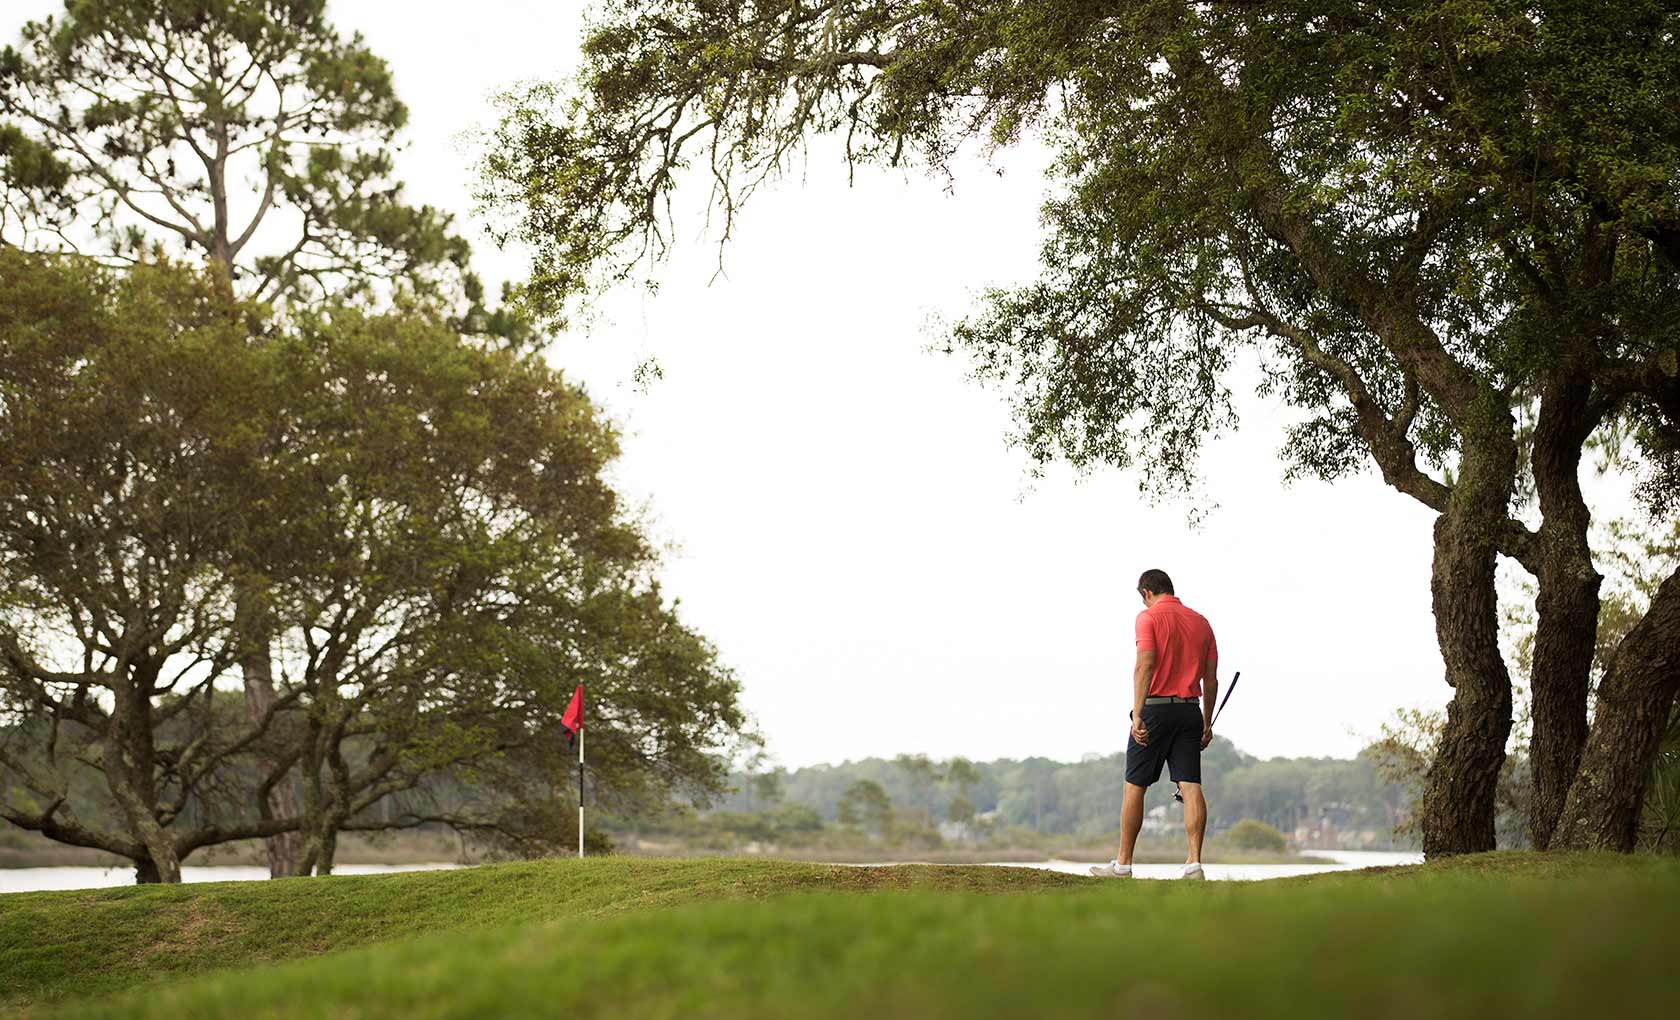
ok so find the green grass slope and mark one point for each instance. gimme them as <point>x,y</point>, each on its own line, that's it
<point>1492,936</point>
<point>92,942</point>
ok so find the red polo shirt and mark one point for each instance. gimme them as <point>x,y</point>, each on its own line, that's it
<point>1182,641</point>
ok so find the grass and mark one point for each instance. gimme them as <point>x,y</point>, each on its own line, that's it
<point>91,942</point>
<point>1495,935</point>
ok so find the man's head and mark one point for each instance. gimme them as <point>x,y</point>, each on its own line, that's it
<point>1153,584</point>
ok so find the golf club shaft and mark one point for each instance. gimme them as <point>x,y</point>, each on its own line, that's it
<point>1227,699</point>
<point>1177,794</point>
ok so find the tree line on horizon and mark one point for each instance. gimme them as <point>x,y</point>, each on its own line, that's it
<point>1010,803</point>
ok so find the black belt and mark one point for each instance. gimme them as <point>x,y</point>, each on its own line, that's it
<point>1164,700</point>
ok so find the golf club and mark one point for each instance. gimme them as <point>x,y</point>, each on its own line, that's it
<point>1178,796</point>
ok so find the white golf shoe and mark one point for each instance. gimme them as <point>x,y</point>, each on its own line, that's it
<point>1193,871</point>
<point>1111,869</point>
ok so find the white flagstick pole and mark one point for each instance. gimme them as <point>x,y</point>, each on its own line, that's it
<point>580,792</point>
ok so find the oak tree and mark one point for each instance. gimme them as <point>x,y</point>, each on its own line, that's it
<point>1447,232</point>
<point>448,562</point>
<point>253,137</point>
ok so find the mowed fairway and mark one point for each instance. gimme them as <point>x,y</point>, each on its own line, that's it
<point>1490,936</point>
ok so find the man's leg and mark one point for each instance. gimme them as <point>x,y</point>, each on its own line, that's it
<point>1131,822</point>
<point>1195,818</point>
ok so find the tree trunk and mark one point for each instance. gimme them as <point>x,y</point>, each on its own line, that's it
<point>328,849</point>
<point>256,666</point>
<point>320,801</point>
<point>150,870</point>
<point>130,758</point>
<point>1457,814</point>
<point>1602,809</point>
<point>1563,649</point>
<point>1567,604</point>
<point>333,819</point>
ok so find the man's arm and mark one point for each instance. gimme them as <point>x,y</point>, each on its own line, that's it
<point>1141,673</point>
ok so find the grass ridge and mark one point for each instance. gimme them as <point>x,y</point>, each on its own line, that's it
<point>731,937</point>
<point>78,943</point>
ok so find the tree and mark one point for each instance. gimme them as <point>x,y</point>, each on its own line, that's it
<point>121,476</point>
<point>1638,563</point>
<point>1634,563</point>
<point>865,805</point>
<point>767,789</point>
<point>1422,222</point>
<point>448,561</point>
<point>961,773</point>
<point>456,565</point>
<point>1404,753</point>
<point>923,776</point>
<point>251,136</point>
<point>1249,834</point>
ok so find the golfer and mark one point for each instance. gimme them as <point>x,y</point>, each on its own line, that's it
<point>1176,670</point>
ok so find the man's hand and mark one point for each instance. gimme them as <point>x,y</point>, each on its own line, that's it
<point>1140,732</point>
<point>1207,735</point>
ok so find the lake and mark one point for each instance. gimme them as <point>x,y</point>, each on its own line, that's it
<point>33,879</point>
<point>1330,860</point>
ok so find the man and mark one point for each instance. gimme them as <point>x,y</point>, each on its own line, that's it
<point>1177,664</point>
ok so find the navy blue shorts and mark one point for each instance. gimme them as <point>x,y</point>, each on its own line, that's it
<point>1175,741</point>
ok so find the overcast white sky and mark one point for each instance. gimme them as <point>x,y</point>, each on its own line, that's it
<point>849,525</point>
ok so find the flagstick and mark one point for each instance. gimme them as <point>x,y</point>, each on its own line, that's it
<point>580,793</point>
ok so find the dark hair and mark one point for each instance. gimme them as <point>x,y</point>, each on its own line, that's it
<point>1156,582</point>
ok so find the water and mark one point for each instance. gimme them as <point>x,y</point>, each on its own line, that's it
<point>34,879</point>
<point>1332,860</point>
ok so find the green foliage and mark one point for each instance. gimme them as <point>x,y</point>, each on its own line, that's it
<point>1250,834</point>
<point>1417,219</point>
<point>962,774</point>
<point>27,164</point>
<point>1327,186</point>
<point>900,942</point>
<point>250,135</point>
<point>440,554</point>
<point>1016,803</point>
<point>767,787</point>
<point>1659,823</point>
<point>865,805</point>
<point>920,769</point>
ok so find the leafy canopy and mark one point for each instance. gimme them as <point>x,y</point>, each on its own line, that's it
<point>1408,212</point>
<point>252,135</point>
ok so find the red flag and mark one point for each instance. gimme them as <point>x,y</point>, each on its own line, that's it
<point>572,721</point>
